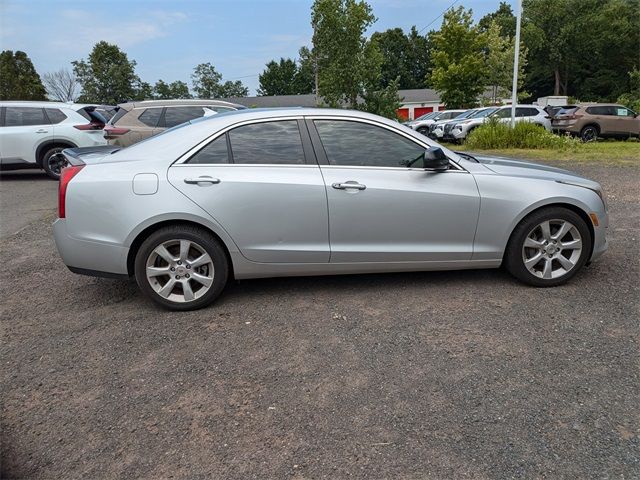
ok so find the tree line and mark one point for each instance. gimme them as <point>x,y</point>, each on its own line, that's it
<point>586,49</point>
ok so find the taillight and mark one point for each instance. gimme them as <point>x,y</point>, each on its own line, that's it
<point>89,126</point>
<point>111,132</point>
<point>66,175</point>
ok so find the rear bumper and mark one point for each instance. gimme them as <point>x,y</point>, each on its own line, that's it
<point>89,257</point>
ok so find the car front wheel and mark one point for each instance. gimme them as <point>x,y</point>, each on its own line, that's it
<point>548,247</point>
<point>181,267</point>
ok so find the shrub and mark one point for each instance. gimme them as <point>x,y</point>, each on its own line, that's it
<point>495,135</point>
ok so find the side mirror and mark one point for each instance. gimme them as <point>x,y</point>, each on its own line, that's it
<point>435,160</point>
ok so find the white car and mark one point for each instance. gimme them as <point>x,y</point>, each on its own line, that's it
<point>32,134</point>
<point>458,131</point>
<point>422,124</point>
<point>436,130</point>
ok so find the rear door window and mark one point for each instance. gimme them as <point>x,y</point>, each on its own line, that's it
<point>119,114</point>
<point>24,116</point>
<point>150,117</point>
<point>176,115</point>
<point>600,110</point>
<point>276,142</point>
<point>55,115</point>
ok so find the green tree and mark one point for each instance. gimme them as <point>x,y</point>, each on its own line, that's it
<point>107,76</point>
<point>18,78</point>
<point>632,98</point>
<point>305,79</point>
<point>405,57</point>
<point>207,84</point>
<point>348,66</point>
<point>503,17</point>
<point>279,78</point>
<point>500,52</point>
<point>177,89</point>
<point>458,60</point>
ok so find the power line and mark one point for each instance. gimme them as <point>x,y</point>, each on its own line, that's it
<point>435,19</point>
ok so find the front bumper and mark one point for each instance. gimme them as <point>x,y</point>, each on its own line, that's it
<point>89,257</point>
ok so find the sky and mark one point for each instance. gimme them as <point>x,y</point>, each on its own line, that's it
<point>168,38</point>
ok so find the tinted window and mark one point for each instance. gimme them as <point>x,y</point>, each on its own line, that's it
<point>176,115</point>
<point>55,115</point>
<point>567,111</point>
<point>503,113</point>
<point>600,110</point>
<point>269,142</point>
<point>214,152</point>
<point>151,116</point>
<point>361,144</point>
<point>526,112</point>
<point>23,116</point>
<point>119,114</point>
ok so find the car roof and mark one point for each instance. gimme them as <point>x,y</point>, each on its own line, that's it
<point>186,102</point>
<point>42,104</point>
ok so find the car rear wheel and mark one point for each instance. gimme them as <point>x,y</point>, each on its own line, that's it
<point>589,133</point>
<point>548,247</point>
<point>53,162</point>
<point>181,267</point>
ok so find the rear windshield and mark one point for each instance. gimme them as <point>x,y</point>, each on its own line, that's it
<point>567,111</point>
<point>121,113</point>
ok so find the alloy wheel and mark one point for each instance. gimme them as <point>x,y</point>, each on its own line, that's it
<point>552,249</point>
<point>180,270</point>
<point>57,162</point>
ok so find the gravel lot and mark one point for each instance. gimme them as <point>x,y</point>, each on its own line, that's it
<point>427,375</point>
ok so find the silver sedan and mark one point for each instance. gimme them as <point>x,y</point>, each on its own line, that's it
<point>281,192</point>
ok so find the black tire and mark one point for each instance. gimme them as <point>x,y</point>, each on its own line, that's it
<point>589,133</point>
<point>53,162</point>
<point>423,130</point>
<point>514,257</point>
<point>202,239</point>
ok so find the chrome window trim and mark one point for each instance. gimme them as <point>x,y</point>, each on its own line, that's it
<point>187,155</point>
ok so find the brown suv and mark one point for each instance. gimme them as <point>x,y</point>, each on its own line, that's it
<point>136,121</point>
<point>597,120</point>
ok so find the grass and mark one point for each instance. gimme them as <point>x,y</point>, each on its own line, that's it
<point>608,152</point>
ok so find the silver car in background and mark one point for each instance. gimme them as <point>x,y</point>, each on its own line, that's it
<point>281,192</point>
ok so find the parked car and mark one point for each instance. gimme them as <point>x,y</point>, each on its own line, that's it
<point>422,125</point>
<point>458,130</point>
<point>314,191</point>
<point>136,121</point>
<point>436,129</point>
<point>598,120</point>
<point>32,134</point>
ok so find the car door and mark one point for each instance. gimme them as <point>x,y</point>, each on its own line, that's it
<point>25,128</point>
<point>626,122</point>
<point>261,182</point>
<point>380,210</point>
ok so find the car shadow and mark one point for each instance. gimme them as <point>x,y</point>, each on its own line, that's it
<point>22,175</point>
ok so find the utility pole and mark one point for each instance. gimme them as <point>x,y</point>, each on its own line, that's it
<point>516,57</point>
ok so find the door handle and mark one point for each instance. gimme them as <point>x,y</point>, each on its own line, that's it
<point>199,180</point>
<point>42,130</point>
<point>349,184</point>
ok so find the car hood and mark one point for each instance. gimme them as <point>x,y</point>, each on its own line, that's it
<point>521,168</point>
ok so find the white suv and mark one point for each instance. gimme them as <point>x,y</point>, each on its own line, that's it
<point>32,134</point>
<point>422,124</point>
<point>458,131</point>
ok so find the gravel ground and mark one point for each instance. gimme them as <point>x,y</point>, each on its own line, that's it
<point>427,375</point>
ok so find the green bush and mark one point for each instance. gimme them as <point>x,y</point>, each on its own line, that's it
<point>496,135</point>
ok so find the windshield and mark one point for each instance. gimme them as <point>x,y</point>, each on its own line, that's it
<point>484,112</point>
<point>466,114</point>
<point>427,116</point>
